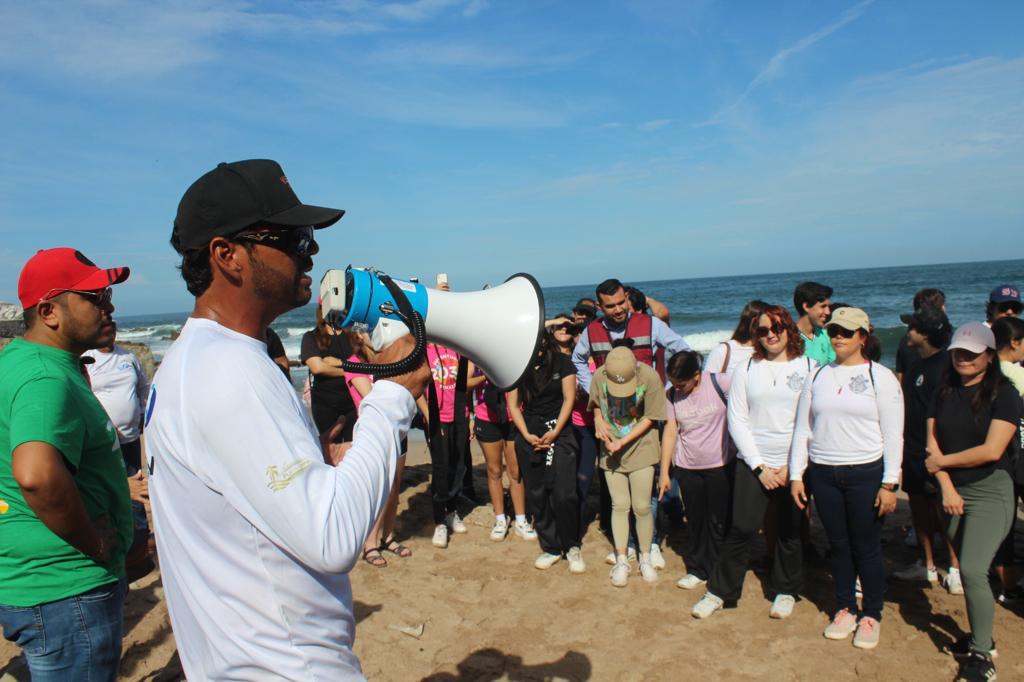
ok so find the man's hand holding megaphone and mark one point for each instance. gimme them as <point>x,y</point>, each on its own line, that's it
<point>415,381</point>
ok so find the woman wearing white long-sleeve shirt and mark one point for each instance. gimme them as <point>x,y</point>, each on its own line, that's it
<point>850,427</point>
<point>761,416</point>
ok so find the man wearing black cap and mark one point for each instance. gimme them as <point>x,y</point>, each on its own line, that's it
<point>928,334</point>
<point>1003,301</point>
<point>256,525</point>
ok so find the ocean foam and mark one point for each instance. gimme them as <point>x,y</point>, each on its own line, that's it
<point>703,342</point>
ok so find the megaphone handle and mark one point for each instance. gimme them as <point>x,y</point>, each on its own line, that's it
<point>414,321</point>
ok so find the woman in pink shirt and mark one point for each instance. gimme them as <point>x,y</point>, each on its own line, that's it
<point>494,431</point>
<point>696,440</point>
<point>382,537</point>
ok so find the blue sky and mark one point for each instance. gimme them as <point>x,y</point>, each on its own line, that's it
<point>574,140</point>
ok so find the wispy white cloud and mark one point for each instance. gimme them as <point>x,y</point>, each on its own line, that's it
<point>108,40</point>
<point>467,55</point>
<point>775,67</point>
<point>656,124</point>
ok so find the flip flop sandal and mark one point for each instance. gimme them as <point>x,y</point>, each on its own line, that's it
<point>373,557</point>
<point>396,548</point>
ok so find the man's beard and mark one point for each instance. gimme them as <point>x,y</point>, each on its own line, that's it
<point>276,286</point>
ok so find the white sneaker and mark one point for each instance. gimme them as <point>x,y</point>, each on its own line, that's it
<point>647,571</point>
<point>858,592</point>
<point>952,582</point>
<point>690,582</point>
<point>500,530</point>
<point>455,523</point>
<point>782,607</point>
<point>525,530</point>
<point>918,572</point>
<point>657,560</point>
<point>707,605</point>
<point>440,536</point>
<point>546,561</point>
<point>630,556</point>
<point>576,563</point>
<point>620,574</point>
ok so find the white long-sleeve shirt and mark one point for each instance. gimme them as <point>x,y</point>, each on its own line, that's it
<point>256,533</point>
<point>121,386</point>
<point>762,409</point>
<point>844,418</point>
<point>735,352</point>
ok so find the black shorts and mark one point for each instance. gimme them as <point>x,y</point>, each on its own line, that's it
<point>916,479</point>
<point>493,432</point>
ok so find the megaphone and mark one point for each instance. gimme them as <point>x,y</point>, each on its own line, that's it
<point>499,329</point>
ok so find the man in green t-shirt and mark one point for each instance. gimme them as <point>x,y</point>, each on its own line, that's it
<point>813,303</point>
<point>65,511</point>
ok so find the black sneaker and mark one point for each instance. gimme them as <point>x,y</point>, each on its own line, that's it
<point>962,647</point>
<point>977,667</point>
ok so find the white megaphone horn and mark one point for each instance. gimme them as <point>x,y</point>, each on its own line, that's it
<point>499,329</point>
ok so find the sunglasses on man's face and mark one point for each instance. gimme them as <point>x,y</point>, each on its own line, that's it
<point>298,241</point>
<point>100,298</point>
<point>775,328</point>
<point>1011,307</point>
<point>835,330</point>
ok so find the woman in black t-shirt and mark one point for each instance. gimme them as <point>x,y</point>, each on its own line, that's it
<point>971,426</point>
<point>546,451</point>
<point>323,349</point>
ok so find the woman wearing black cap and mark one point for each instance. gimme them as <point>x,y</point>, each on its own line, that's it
<point>850,426</point>
<point>971,427</point>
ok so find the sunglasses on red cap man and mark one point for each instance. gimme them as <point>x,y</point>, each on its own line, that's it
<point>52,272</point>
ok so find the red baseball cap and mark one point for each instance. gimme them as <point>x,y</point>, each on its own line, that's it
<point>54,271</point>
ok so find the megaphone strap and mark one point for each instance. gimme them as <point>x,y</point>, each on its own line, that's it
<point>417,328</point>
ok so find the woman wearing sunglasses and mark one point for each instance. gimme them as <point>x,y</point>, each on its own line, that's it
<point>971,427</point>
<point>850,427</point>
<point>761,416</point>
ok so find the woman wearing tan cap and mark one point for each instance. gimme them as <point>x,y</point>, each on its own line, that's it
<point>849,425</point>
<point>628,398</point>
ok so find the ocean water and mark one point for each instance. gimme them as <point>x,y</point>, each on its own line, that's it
<point>705,310</point>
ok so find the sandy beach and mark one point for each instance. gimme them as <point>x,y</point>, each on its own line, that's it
<point>480,611</point>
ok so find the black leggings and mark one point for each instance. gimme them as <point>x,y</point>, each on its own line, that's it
<point>448,444</point>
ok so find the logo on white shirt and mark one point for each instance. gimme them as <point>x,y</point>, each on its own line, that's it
<point>795,381</point>
<point>859,384</point>
<point>280,479</point>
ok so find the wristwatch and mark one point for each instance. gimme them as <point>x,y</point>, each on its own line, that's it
<point>758,469</point>
<point>891,487</point>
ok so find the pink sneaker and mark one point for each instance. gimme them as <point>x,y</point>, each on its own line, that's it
<point>868,632</point>
<point>841,626</point>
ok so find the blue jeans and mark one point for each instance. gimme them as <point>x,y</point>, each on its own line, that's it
<point>78,638</point>
<point>845,499</point>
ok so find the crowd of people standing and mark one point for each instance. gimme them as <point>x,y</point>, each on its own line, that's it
<point>793,412</point>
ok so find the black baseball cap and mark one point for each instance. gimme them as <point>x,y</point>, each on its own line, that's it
<point>234,196</point>
<point>585,307</point>
<point>927,320</point>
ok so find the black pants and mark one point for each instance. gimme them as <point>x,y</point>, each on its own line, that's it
<point>326,414</point>
<point>1005,555</point>
<point>844,497</point>
<point>707,494</point>
<point>550,481</point>
<point>750,500</point>
<point>586,467</point>
<point>448,443</point>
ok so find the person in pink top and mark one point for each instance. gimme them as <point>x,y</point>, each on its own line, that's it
<point>447,437</point>
<point>382,536</point>
<point>494,431</point>
<point>696,440</point>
